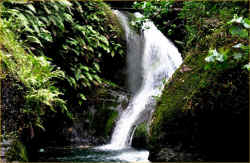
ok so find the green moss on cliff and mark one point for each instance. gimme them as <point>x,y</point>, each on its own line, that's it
<point>204,107</point>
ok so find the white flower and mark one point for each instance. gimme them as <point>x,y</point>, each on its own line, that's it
<point>247,66</point>
<point>209,59</point>
<point>237,45</point>
<point>214,56</point>
<point>215,53</point>
<point>237,19</point>
<point>245,24</point>
<point>220,58</point>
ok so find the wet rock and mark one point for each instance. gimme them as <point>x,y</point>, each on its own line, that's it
<point>5,146</point>
<point>171,155</point>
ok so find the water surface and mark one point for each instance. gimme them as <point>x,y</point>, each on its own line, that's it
<point>76,154</point>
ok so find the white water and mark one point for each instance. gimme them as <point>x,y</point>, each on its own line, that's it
<point>152,59</point>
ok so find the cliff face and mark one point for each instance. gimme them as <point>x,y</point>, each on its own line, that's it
<point>204,113</point>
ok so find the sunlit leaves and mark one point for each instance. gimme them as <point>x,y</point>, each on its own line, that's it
<point>34,39</point>
<point>35,73</point>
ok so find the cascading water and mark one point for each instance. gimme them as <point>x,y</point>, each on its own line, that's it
<point>151,60</point>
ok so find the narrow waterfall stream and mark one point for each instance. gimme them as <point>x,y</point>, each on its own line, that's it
<point>151,61</point>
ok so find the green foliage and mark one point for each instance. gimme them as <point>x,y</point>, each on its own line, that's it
<point>111,122</point>
<point>164,15</point>
<point>17,152</point>
<point>230,55</point>
<point>155,10</point>
<point>76,35</point>
<point>203,18</point>
<point>36,74</point>
<point>218,22</point>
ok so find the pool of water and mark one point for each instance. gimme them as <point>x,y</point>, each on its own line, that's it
<point>78,154</point>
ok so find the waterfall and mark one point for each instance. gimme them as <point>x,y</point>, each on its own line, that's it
<point>151,60</point>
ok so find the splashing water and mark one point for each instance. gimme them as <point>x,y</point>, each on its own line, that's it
<point>151,60</point>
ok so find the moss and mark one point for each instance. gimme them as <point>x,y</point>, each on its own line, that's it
<point>180,88</point>
<point>17,151</point>
<point>140,139</point>
<point>111,122</point>
<point>201,105</point>
<point>105,116</point>
<point>202,111</point>
<point>112,18</point>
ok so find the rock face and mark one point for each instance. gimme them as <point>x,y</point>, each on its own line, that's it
<point>91,126</point>
<point>5,145</point>
<point>203,113</point>
<point>94,126</point>
<point>11,102</point>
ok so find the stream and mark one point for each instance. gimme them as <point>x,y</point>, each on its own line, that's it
<point>77,154</point>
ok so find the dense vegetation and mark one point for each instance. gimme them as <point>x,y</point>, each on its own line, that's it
<point>55,51</point>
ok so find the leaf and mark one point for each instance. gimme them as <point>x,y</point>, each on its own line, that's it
<point>48,12</point>
<point>246,23</point>
<point>46,36</point>
<point>82,76</point>
<point>89,76</point>
<point>112,54</point>
<point>83,97</point>
<point>247,66</point>
<point>31,7</point>
<point>104,40</point>
<point>77,74</point>
<point>40,126</point>
<point>120,52</point>
<point>243,33</point>
<point>179,42</point>
<point>84,68</point>
<point>237,31</point>
<point>57,21</point>
<point>96,65</point>
<point>234,30</point>
<point>98,79</point>
<point>65,3</point>
<point>207,67</point>
<point>68,17</point>
<point>237,56</point>
<point>34,39</point>
<point>72,81</point>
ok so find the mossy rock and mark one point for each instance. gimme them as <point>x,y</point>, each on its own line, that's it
<point>140,138</point>
<point>106,111</point>
<point>204,111</point>
<point>17,152</point>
